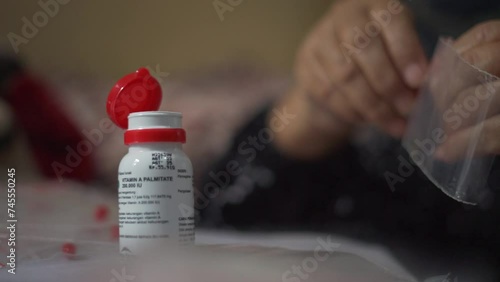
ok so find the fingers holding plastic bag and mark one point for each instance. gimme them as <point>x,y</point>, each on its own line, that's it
<point>465,92</point>
<point>450,131</point>
<point>479,49</point>
<point>486,135</point>
<point>468,96</point>
<point>472,105</point>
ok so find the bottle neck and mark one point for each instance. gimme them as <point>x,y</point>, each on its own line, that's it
<point>154,146</point>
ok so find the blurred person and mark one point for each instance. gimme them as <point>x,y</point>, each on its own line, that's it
<point>312,174</point>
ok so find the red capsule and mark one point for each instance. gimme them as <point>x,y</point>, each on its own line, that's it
<point>69,248</point>
<point>101,213</point>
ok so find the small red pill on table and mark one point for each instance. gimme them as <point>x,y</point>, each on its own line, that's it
<point>69,248</point>
<point>101,213</point>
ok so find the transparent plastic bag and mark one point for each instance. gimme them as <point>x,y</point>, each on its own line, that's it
<point>456,96</point>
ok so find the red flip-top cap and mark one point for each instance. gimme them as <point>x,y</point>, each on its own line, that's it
<point>136,92</point>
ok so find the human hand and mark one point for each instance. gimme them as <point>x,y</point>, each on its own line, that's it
<point>363,63</point>
<point>480,47</point>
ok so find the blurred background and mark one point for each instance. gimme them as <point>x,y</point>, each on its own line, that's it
<point>230,57</point>
<point>110,38</point>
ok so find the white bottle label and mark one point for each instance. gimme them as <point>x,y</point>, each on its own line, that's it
<point>155,201</point>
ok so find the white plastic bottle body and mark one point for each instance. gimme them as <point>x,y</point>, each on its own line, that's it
<point>155,197</point>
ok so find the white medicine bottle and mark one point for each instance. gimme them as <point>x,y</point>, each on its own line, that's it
<point>155,193</point>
